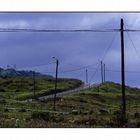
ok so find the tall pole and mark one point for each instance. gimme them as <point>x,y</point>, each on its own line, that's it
<point>123,72</point>
<point>101,71</point>
<point>86,76</point>
<point>104,73</point>
<point>56,77</point>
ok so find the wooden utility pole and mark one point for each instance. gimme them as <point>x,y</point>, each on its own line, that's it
<point>104,73</point>
<point>56,77</point>
<point>86,76</point>
<point>101,71</point>
<point>123,72</point>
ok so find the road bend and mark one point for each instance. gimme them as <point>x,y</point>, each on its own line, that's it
<point>72,91</point>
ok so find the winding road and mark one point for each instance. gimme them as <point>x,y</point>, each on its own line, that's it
<point>73,91</point>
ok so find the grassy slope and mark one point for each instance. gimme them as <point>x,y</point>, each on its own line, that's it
<point>88,108</point>
<point>22,87</point>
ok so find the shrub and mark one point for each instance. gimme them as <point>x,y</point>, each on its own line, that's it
<point>3,101</point>
<point>137,115</point>
<point>6,110</point>
<point>2,90</point>
<point>22,110</point>
<point>103,111</point>
<point>41,115</point>
<point>118,120</point>
<point>58,118</point>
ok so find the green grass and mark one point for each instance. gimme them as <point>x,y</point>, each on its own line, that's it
<point>22,87</point>
<point>88,108</point>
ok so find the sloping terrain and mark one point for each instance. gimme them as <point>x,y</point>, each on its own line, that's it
<point>95,107</point>
<point>21,87</point>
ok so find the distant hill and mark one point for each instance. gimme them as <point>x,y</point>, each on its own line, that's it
<point>10,72</point>
<point>116,88</point>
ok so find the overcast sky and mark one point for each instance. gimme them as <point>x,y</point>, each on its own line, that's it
<point>74,50</point>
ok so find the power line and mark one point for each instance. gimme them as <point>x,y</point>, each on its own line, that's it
<point>72,65</point>
<point>56,30</point>
<point>69,71</point>
<point>79,75</point>
<point>82,73</point>
<point>64,71</point>
<point>120,71</point>
<point>109,46</point>
<point>131,30</point>
<point>104,55</point>
<point>86,66</point>
<point>45,64</point>
<point>65,30</point>
<point>94,72</point>
<point>136,51</point>
<point>73,70</point>
<point>128,71</point>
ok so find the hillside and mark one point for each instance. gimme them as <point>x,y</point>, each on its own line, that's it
<point>116,88</point>
<point>95,107</point>
<point>22,87</point>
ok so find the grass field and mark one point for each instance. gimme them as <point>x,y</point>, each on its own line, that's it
<point>20,88</point>
<point>95,108</point>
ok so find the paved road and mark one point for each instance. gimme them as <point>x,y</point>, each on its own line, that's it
<point>73,91</point>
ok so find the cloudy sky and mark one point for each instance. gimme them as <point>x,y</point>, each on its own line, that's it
<point>74,50</point>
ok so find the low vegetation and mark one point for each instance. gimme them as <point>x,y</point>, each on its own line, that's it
<point>93,108</point>
<point>21,87</point>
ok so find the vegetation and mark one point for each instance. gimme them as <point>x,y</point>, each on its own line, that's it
<point>21,87</point>
<point>95,107</point>
<point>12,72</point>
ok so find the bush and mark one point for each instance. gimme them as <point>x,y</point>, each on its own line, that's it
<point>118,120</point>
<point>3,101</point>
<point>22,110</point>
<point>137,115</point>
<point>85,112</point>
<point>6,110</point>
<point>41,115</point>
<point>104,112</point>
<point>91,112</point>
<point>17,90</point>
<point>58,118</point>
<point>2,90</point>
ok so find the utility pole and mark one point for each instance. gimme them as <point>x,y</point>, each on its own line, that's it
<point>86,76</point>
<point>101,71</point>
<point>56,77</point>
<point>34,83</point>
<point>104,73</point>
<point>123,72</point>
